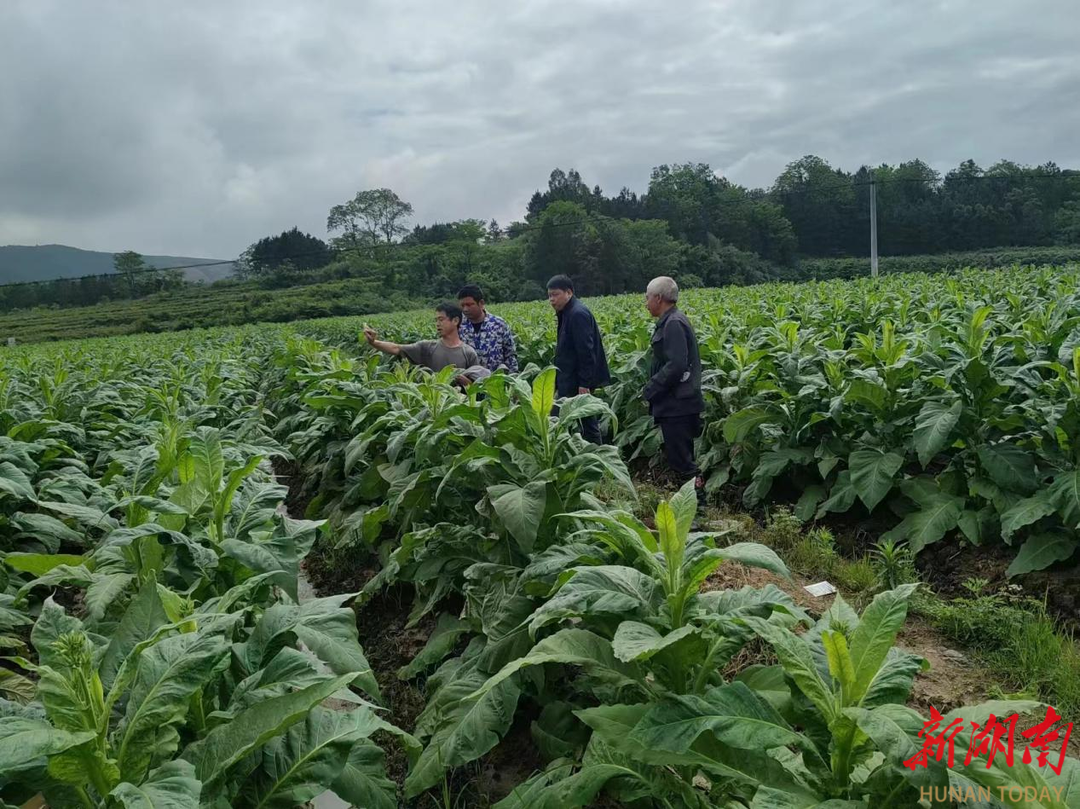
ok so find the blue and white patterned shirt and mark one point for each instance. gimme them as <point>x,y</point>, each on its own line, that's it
<point>494,342</point>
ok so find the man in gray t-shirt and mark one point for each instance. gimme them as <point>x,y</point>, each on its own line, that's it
<point>434,354</point>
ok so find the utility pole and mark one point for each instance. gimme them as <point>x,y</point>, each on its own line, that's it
<point>873,229</point>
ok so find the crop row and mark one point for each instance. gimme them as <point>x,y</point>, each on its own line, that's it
<point>158,655</point>
<point>940,406</point>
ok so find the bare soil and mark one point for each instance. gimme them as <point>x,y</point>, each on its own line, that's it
<point>947,565</point>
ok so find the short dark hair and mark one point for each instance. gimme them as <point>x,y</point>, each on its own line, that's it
<point>451,310</point>
<point>471,291</point>
<point>561,282</point>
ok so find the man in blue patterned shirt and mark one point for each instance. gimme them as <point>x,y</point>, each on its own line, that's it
<point>489,334</point>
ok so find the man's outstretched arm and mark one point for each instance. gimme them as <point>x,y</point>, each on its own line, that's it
<point>384,346</point>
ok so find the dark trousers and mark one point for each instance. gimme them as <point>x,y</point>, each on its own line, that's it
<point>679,433</point>
<point>590,430</point>
<point>590,427</point>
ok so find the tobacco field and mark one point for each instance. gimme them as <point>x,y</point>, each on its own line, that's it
<point>157,648</point>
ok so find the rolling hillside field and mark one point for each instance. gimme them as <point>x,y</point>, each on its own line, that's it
<point>50,261</point>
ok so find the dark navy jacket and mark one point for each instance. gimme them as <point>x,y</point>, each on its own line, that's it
<point>579,351</point>
<point>675,386</point>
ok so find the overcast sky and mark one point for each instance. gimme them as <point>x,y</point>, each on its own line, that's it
<point>196,127</point>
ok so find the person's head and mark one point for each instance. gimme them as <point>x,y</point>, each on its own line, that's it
<point>447,319</point>
<point>471,300</point>
<point>660,295</point>
<point>560,290</point>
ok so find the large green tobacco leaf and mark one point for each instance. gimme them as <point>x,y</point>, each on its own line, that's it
<point>167,676</point>
<point>23,740</point>
<point>557,733</point>
<point>14,483</point>
<point>48,530</point>
<point>142,618</point>
<point>1041,551</point>
<point>226,745</point>
<point>672,541</point>
<point>323,626</point>
<point>281,552</point>
<point>290,669</point>
<point>105,591</point>
<point>10,617</point>
<point>448,631</point>
<point>684,506</point>
<point>468,727</point>
<point>798,662</point>
<point>601,590</point>
<point>546,566</point>
<point>559,789</point>
<point>614,724</point>
<point>624,534</point>
<point>751,554</point>
<point>255,506</point>
<point>363,782</point>
<point>894,680</point>
<point>307,759</point>
<point>204,462</point>
<point>635,641</point>
<point>1010,467</point>
<point>872,474</point>
<point>50,625</point>
<point>232,483</point>
<point>1025,512</point>
<point>738,426</point>
<point>16,686</point>
<point>894,730</point>
<point>576,647</point>
<point>543,393</point>
<point>933,428</point>
<point>938,514</point>
<point>38,564</point>
<point>87,515</point>
<point>732,713</point>
<point>1065,495</point>
<point>841,496</point>
<point>876,634</point>
<point>521,509</point>
<point>171,786</point>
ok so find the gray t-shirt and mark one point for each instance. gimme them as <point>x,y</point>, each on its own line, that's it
<point>436,356</point>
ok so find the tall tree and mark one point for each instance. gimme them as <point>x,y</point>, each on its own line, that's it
<point>130,265</point>
<point>301,251</point>
<point>698,204</point>
<point>819,201</point>
<point>564,186</point>
<point>369,219</point>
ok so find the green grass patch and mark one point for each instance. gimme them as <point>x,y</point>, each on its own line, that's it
<point>1016,639</point>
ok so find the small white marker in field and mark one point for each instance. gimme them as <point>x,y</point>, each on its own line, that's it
<point>822,588</point>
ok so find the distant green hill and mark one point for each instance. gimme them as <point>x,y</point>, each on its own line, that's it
<point>48,261</point>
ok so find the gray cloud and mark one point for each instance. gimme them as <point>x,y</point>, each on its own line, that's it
<point>196,128</point>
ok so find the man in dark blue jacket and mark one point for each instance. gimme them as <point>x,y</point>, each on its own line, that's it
<point>579,350</point>
<point>674,389</point>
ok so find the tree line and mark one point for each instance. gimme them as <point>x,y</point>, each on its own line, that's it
<point>689,223</point>
<point>692,224</point>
